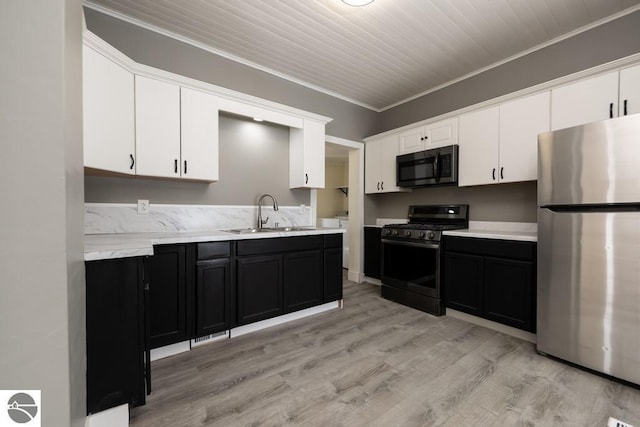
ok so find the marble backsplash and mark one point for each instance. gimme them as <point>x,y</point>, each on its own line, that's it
<point>107,218</point>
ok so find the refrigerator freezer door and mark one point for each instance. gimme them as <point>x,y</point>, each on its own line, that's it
<point>589,290</point>
<point>596,163</point>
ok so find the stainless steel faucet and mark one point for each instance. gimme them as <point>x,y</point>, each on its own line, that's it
<point>262,222</point>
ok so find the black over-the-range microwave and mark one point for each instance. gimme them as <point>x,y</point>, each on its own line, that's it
<point>438,166</point>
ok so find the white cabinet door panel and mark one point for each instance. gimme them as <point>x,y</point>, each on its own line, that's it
<point>306,155</point>
<point>520,123</point>
<point>442,133</point>
<point>411,141</point>
<point>157,128</point>
<point>388,154</point>
<point>478,140</point>
<point>199,135</point>
<point>630,90</point>
<point>108,117</point>
<point>372,167</point>
<point>585,101</point>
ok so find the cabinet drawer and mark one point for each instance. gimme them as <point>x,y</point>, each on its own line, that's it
<point>281,244</point>
<point>211,250</point>
<point>333,241</point>
<point>492,247</point>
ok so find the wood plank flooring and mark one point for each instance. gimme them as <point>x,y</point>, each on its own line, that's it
<point>377,363</point>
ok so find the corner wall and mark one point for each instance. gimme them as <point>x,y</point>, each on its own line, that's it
<point>42,308</point>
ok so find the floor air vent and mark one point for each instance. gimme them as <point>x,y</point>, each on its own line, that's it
<point>617,423</point>
<point>196,342</point>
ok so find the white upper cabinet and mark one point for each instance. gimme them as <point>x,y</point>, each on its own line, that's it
<point>479,143</point>
<point>520,123</point>
<point>157,128</point>
<point>306,155</point>
<point>108,119</point>
<point>500,144</point>
<point>630,91</point>
<point>585,101</point>
<point>380,166</point>
<point>199,135</point>
<point>433,135</point>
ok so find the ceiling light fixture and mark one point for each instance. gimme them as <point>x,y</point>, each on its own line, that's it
<point>258,119</point>
<point>357,2</point>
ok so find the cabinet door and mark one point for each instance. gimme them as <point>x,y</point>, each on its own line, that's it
<point>259,288</point>
<point>168,312</point>
<point>411,140</point>
<point>332,274</point>
<point>464,282</point>
<point>440,134</point>
<point>585,101</point>
<point>108,116</point>
<point>629,91</point>
<point>388,154</point>
<point>213,296</point>
<point>199,135</point>
<point>115,334</point>
<point>306,155</point>
<point>303,285</point>
<point>520,123</point>
<point>157,128</point>
<point>372,252</point>
<point>372,167</point>
<point>508,293</point>
<point>478,156</point>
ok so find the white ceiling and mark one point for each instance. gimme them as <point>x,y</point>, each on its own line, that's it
<point>379,55</point>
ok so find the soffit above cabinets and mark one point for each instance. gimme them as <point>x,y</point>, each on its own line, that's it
<point>376,56</point>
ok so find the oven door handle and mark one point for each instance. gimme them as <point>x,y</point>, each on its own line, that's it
<point>414,244</point>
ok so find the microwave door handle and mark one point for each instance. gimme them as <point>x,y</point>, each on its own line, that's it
<point>436,168</point>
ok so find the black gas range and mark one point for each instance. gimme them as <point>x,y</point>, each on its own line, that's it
<point>411,255</point>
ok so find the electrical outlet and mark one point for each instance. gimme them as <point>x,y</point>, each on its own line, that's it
<point>143,207</point>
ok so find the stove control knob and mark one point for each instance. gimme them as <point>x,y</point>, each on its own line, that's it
<point>431,235</point>
<point>421,235</point>
<point>394,232</point>
<point>386,231</point>
<point>407,233</point>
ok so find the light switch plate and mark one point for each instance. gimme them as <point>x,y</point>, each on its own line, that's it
<point>143,207</point>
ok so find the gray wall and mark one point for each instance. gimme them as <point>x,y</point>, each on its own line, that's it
<point>42,309</point>
<point>254,159</point>
<point>349,121</point>
<point>501,202</point>
<point>608,42</point>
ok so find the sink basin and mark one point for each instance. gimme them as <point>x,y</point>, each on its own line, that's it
<point>267,230</point>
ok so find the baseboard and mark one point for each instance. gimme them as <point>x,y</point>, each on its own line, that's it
<point>355,276</point>
<point>113,417</point>
<point>499,327</point>
<point>170,350</point>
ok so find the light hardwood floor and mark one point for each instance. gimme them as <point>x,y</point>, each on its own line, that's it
<point>377,363</point>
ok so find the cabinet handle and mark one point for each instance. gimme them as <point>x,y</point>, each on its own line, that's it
<point>378,185</point>
<point>501,174</point>
<point>625,107</point>
<point>133,162</point>
<point>306,178</point>
<point>611,110</point>
<point>175,166</point>
<point>185,167</point>
<point>493,174</point>
<point>382,185</point>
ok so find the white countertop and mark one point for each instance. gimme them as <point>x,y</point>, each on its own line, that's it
<point>123,245</point>
<point>521,231</point>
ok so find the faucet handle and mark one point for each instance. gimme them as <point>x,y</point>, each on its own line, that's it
<point>264,221</point>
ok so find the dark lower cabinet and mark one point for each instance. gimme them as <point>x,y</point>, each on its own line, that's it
<point>170,299</point>
<point>215,285</point>
<point>372,252</point>
<point>115,333</point>
<point>508,292</point>
<point>332,274</point>
<point>213,296</point>
<point>303,286</point>
<point>494,279</point>
<point>464,282</point>
<point>259,287</point>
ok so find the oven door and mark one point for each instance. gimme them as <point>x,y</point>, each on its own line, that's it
<point>412,266</point>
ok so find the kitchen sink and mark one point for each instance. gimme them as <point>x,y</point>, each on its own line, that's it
<point>267,230</point>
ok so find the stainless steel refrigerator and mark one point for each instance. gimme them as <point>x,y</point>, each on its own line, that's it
<point>588,308</point>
